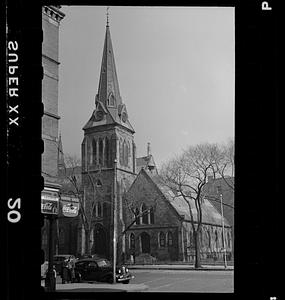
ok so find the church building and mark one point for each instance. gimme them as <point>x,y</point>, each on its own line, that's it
<point>114,180</point>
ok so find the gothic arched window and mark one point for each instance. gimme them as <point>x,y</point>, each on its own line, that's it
<point>101,152</point>
<point>161,239</point>
<point>107,152</point>
<point>121,152</point>
<point>151,212</point>
<point>144,212</point>
<point>216,239</point>
<point>132,241</point>
<point>229,239</point>
<point>99,210</point>
<point>170,238</point>
<point>209,239</point>
<point>111,100</point>
<point>125,154</point>
<point>105,209</point>
<point>137,213</point>
<point>94,152</point>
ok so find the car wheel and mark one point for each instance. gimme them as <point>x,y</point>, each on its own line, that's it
<point>126,281</point>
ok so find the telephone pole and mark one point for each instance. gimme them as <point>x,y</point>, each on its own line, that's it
<point>223,228</point>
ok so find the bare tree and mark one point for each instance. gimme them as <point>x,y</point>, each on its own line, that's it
<point>186,176</point>
<point>72,183</point>
<point>226,165</point>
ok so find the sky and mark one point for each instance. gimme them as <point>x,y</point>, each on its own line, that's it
<point>176,72</point>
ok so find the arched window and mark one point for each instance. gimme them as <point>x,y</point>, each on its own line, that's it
<point>129,154</point>
<point>101,152</point>
<point>132,241</point>
<point>107,152</point>
<point>125,154</point>
<point>105,209</point>
<point>94,152</point>
<point>209,239</point>
<point>121,152</point>
<point>229,239</point>
<point>99,209</point>
<point>151,212</point>
<point>216,239</point>
<point>144,213</point>
<point>161,239</point>
<point>111,100</point>
<point>169,238</point>
<point>137,213</point>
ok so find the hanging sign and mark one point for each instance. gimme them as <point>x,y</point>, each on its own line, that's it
<point>49,204</point>
<point>69,206</point>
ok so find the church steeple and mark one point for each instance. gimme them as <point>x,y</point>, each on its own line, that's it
<point>109,107</point>
<point>108,83</point>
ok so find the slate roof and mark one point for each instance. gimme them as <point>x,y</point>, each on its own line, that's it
<point>210,214</point>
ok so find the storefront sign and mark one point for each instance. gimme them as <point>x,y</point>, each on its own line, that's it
<point>50,204</point>
<point>69,206</point>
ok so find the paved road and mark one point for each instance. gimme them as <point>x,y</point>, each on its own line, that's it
<point>185,281</point>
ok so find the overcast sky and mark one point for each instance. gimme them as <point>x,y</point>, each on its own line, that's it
<point>175,68</point>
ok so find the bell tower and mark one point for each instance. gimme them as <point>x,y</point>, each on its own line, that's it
<point>108,136</point>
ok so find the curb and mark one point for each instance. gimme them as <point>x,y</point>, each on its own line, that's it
<point>190,268</point>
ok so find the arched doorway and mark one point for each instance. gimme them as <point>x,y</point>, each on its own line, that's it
<point>100,246</point>
<point>145,242</point>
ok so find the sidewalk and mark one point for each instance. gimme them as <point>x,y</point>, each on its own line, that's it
<point>181,267</point>
<point>98,287</point>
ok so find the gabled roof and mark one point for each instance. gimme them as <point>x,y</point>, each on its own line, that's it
<point>209,212</point>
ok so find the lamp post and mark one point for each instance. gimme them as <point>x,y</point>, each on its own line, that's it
<point>223,228</point>
<point>115,222</point>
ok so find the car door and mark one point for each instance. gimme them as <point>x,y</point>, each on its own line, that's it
<point>92,271</point>
<point>81,268</point>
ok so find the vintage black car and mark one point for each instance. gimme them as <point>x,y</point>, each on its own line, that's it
<point>100,269</point>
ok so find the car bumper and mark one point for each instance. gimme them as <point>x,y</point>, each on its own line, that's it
<point>121,278</point>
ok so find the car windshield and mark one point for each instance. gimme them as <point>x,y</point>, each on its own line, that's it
<point>103,263</point>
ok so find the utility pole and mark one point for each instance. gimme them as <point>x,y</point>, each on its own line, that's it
<point>115,215</point>
<point>223,228</point>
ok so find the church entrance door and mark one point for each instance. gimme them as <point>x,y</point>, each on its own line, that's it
<point>145,242</point>
<point>100,241</point>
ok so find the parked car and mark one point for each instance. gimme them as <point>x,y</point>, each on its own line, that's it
<point>59,259</point>
<point>100,269</point>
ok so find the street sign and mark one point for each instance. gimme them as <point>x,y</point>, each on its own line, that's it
<point>49,204</point>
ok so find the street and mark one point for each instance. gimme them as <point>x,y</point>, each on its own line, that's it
<point>185,280</point>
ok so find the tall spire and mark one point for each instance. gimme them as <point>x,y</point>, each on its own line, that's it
<point>109,107</point>
<point>108,83</point>
<point>107,16</point>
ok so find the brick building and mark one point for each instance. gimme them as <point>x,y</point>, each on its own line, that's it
<point>51,18</point>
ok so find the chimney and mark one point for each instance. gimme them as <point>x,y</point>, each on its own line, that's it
<point>148,149</point>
